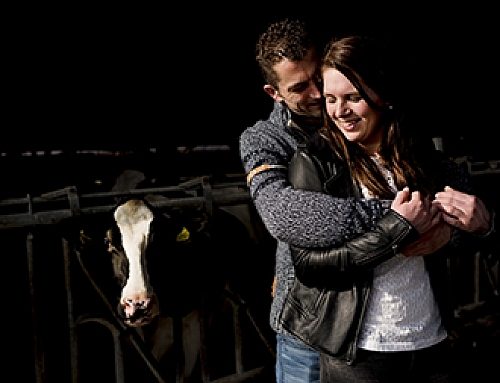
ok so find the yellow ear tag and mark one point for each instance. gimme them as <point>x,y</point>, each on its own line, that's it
<point>183,235</point>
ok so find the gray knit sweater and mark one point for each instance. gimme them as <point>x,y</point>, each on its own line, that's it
<point>302,218</point>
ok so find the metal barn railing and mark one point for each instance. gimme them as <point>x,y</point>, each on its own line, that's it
<point>29,214</point>
<point>61,206</point>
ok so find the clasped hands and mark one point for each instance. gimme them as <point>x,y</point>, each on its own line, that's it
<point>433,219</point>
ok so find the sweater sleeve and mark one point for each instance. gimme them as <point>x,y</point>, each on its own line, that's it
<point>301,218</point>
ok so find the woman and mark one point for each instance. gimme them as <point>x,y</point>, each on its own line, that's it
<point>374,307</point>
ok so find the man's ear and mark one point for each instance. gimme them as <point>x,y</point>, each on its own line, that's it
<point>269,89</point>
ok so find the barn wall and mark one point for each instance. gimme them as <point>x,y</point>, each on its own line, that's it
<point>82,78</point>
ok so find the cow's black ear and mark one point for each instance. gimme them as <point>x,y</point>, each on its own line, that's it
<point>128,180</point>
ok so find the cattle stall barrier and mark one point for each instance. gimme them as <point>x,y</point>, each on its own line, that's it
<point>28,214</point>
<point>474,282</point>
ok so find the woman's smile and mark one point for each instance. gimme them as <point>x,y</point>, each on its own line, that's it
<point>348,125</point>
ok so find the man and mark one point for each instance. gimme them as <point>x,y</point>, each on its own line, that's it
<point>288,59</point>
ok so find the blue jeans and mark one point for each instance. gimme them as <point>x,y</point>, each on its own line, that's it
<point>295,362</point>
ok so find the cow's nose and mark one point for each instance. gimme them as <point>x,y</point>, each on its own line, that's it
<point>136,302</point>
<point>139,309</point>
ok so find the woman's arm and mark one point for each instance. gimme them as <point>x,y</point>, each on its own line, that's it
<point>411,215</point>
<point>317,267</point>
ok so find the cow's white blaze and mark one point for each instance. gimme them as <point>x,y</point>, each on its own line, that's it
<point>133,219</point>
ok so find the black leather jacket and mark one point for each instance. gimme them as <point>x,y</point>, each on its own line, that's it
<point>326,305</point>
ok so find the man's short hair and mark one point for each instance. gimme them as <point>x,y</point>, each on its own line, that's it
<point>283,39</point>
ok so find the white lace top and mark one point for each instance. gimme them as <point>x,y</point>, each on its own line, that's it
<point>402,313</point>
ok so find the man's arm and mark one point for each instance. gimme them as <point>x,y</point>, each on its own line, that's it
<point>301,218</point>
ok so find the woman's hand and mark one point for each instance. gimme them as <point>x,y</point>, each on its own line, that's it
<point>418,210</point>
<point>426,218</point>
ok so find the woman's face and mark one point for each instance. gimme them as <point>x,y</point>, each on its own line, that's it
<point>355,118</point>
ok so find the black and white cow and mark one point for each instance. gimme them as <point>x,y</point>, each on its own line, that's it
<point>165,261</point>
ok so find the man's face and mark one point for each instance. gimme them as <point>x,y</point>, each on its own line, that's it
<point>298,86</point>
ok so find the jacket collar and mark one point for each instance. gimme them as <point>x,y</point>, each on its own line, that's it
<point>282,116</point>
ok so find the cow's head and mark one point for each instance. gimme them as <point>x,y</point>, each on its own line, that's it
<point>154,261</point>
<point>128,242</point>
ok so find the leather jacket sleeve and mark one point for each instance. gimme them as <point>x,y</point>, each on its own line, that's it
<point>320,267</point>
<point>323,172</point>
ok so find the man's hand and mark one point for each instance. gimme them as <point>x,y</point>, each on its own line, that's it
<point>464,211</point>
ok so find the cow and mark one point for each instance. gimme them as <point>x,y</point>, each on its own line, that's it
<point>175,264</point>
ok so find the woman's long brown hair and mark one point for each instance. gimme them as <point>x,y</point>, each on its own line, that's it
<point>363,60</point>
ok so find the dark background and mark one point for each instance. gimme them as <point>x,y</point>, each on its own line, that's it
<point>127,76</point>
<point>124,78</point>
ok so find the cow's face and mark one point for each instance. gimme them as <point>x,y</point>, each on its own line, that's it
<point>128,243</point>
<point>160,258</point>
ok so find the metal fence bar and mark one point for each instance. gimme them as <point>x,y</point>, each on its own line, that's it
<point>178,348</point>
<point>33,215</point>
<point>40,217</point>
<point>116,333</point>
<point>238,339</point>
<point>71,322</point>
<point>205,374</point>
<point>38,348</point>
